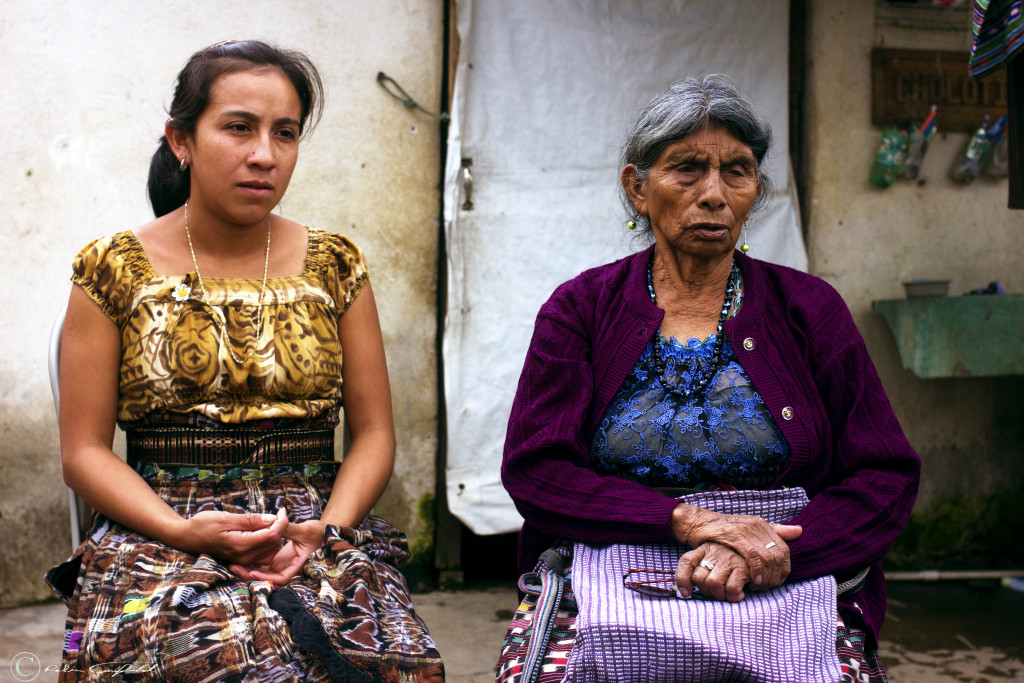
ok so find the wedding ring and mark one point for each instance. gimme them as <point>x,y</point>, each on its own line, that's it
<point>769,546</point>
<point>707,565</point>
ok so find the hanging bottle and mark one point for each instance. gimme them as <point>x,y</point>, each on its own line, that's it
<point>968,162</point>
<point>997,164</point>
<point>918,144</point>
<point>889,158</point>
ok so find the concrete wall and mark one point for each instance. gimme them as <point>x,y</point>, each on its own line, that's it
<point>85,85</point>
<point>867,241</point>
<point>85,89</point>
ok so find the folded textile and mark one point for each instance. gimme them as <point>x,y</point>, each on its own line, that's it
<point>783,634</point>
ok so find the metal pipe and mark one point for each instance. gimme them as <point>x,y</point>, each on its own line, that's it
<point>954,575</point>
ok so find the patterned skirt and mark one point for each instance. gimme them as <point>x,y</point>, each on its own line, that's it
<point>543,634</point>
<point>858,663</point>
<point>151,612</point>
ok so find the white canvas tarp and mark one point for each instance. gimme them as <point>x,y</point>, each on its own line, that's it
<point>543,95</point>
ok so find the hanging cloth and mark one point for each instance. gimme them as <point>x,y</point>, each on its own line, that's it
<point>997,28</point>
<point>1015,131</point>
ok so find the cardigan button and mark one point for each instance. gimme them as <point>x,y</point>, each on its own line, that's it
<point>748,343</point>
<point>787,413</point>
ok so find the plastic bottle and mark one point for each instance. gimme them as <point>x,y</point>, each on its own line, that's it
<point>917,144</point>
<point>889,158</point>
<point>968,162</point>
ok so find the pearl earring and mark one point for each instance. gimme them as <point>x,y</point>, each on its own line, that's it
<point>631,225</point>
<point>744,247</point>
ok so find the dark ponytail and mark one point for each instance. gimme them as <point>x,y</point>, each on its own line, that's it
<point>168,185</point>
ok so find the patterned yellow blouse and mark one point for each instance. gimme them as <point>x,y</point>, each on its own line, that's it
<point>173,353</point>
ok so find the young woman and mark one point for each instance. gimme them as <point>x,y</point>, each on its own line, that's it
<point>222,339</point>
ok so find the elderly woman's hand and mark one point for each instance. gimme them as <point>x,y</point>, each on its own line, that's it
<point>725,580</point>
<point>761,545</point>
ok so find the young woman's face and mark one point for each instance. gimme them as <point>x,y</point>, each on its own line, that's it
<point>245,146</point>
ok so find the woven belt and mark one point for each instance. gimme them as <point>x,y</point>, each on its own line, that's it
<point>178,445</point>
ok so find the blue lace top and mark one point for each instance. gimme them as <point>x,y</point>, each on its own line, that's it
<point>723,437</point>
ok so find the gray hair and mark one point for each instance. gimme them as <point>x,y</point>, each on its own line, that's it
<point>686,107</point>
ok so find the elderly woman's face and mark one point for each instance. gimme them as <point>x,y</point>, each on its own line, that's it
<point>699,192</point>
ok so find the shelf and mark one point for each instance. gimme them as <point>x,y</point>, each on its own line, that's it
<point>958,336</point>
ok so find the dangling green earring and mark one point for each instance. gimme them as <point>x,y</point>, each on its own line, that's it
<point>631,225</point>
<point>744,247</point>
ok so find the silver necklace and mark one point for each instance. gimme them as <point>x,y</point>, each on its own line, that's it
<point>206,298</point>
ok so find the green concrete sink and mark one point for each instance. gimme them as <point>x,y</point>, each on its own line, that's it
<point>958,336</point>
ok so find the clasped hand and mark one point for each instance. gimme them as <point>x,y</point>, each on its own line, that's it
<point>256,546</point>
<point>730,553</point>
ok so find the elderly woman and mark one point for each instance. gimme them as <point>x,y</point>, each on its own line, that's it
<point>691,365</point>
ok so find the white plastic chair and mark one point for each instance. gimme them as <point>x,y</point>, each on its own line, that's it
<point>76,505</point>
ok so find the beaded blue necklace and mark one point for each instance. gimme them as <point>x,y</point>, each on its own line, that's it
<point>699,376</point>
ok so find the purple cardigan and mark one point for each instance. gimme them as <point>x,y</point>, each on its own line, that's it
<point>798,343</point>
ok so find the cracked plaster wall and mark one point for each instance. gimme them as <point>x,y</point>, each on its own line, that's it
<point>86,85</point>
<point>867,241</point>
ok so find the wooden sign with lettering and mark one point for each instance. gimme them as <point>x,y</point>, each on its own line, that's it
<point>906,83</point>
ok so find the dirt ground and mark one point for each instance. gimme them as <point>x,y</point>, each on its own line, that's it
<point>935,633</point>
<point>953,631</point>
